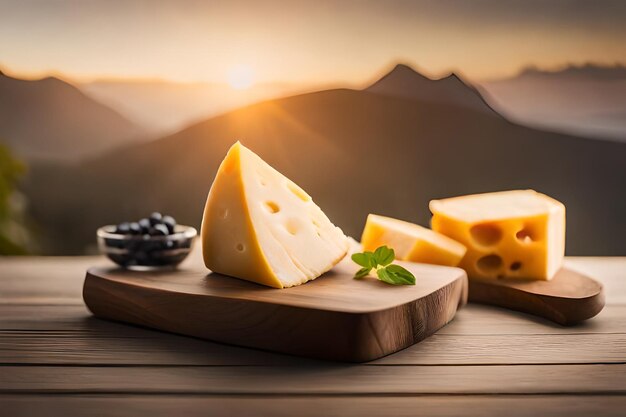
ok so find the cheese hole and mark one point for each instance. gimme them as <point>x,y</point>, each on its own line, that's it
<point>240,247</point>
<point>299,192</point>
<point>515,266</point>
<point>292,227</point>
<point>486,234</point>
<point>526,235</point>
<point>272,207</point>
<point>489,263</point>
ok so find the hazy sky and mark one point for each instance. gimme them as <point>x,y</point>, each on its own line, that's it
<point>304,41</point>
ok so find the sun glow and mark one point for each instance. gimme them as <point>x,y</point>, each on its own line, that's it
<point>240,77</point>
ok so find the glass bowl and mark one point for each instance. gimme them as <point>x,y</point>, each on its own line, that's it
<point>145,252</point>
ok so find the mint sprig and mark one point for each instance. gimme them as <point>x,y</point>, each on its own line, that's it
<point>380,260</point>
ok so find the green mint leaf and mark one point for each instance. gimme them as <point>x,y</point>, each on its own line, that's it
<point>384,255</point>
<point>362,273</point>
<point>383,275</point>
<point>363,259</point>
<point>372,258</point>
<point>400,275</point>
<point>381,260</point>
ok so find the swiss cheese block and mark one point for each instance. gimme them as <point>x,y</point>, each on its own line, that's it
<point>411,242</point>
<point>260,226</point>
<point>508,234</point>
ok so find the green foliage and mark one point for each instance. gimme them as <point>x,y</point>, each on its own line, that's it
<point>381,260</point>
<point>396,275</point>
<point>384,255</point>
<point>11,170</point>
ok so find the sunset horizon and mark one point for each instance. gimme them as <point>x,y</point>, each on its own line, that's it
<point>195,42</point>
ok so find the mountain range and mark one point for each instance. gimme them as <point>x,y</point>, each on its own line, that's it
<point>586,72</point>
<point>404,81</point>
<point>588,100</point>
<point>375,150</point>
<point>50,119</point>
<point>55,120</point>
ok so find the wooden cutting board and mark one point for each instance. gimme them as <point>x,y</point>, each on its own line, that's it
<point>333,317</point>
<point>568,298</point>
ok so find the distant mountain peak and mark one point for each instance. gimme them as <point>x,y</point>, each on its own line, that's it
<point>63,123</point>
<point>408,73</point>
<point>452,76</point>
<point>616,71</point>
<point>401,73</point>
<point>405,69</point>
<point>404,81</point>
<point>55,80</point>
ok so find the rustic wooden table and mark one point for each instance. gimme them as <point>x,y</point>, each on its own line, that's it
<point>56,359</point>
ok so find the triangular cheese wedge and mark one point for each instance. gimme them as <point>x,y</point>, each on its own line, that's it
<point>260,226</point>
<point>411,242</point>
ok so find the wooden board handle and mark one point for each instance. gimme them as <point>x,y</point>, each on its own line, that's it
<point>567,299</point>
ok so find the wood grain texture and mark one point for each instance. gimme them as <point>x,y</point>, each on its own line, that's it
<point>313,406</point>
<point>333,317</point>
<point>473,319</point>
<point>70,335</point>
<point>44,280</point>
<point>568,298</point>
<point>337,379</point>
<point>47,348</point>
<point>116,369</point>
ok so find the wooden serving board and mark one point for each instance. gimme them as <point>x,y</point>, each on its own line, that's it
<point>569,298</point>
<point>333,317</point>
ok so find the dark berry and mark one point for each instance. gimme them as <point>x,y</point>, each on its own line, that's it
<point>123,228</point>
<point>142,257</point>
<point>132,245</point>
<point>115,243</point>
<point>159,230</point>
<point>169,222</point>
<point>134,228</point>
<point>155,218</point>
<point>145,225</point>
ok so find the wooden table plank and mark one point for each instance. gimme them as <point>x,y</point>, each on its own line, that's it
<point>473,319</point>
<point>465,367</point>
<point>481,335</point>
<point>318,380</point>
<point>477,319</point>
<point>44,280</point>
<point>513,349</point>
<point>314,406</point>
<point>151,348</point>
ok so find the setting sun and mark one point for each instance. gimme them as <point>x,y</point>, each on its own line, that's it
<point>240,77</point>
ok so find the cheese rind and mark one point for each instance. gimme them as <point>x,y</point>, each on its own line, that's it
<point>517,234</point>
<point>410,241</point>
<point>260,226</point>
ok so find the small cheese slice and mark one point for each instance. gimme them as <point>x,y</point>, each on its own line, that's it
<point>410,241</point>
<point>508,234</point>
<point>260,226</point>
